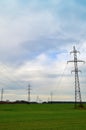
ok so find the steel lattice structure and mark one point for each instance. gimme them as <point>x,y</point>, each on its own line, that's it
<point>78,98</point>
<point>29,88</point>
<point>2,94</point>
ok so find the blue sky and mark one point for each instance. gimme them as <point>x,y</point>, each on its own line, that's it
<point>36,37</point>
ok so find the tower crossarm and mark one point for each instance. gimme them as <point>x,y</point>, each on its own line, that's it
<point>76,71</point>
<point>75,61</point>
<point>75,51</point>
<point>80,61</point>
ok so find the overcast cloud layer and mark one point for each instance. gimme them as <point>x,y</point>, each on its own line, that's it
<point>36,37</point>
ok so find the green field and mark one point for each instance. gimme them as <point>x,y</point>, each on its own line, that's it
<point>41,117</point>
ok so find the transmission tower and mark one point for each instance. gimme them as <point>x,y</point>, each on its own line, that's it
<point>2,94</point>
<point>51,95</point>
<point>78,99</point>
<point>29,88</point>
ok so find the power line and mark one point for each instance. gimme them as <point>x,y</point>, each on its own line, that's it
<point>61,77</point>
<point>8,79</point>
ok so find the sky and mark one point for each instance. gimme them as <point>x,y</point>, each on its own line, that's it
<point>36,37</point>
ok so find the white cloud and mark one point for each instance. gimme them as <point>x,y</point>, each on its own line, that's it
<point>29,36</point>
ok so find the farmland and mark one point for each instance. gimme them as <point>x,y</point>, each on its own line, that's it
<point>41,117</point>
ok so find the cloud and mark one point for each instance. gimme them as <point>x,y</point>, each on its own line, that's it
<point>35,40</point>
<point>32,30</point>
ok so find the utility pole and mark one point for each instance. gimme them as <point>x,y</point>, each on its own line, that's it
<point>78,99</point>
<point>2,94</point>
<point>29,88</point>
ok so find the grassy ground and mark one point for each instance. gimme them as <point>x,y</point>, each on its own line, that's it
<point>41,117</point>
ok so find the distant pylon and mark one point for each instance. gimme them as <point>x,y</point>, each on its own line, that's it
<point>78,99</point>
<point>2,94</point>
<point>51,95</point>
<point>29,88</point>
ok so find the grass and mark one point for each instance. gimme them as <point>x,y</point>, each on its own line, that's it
<point>41,117</point>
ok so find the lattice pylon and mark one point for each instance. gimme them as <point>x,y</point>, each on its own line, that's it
<point>78,99</point>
